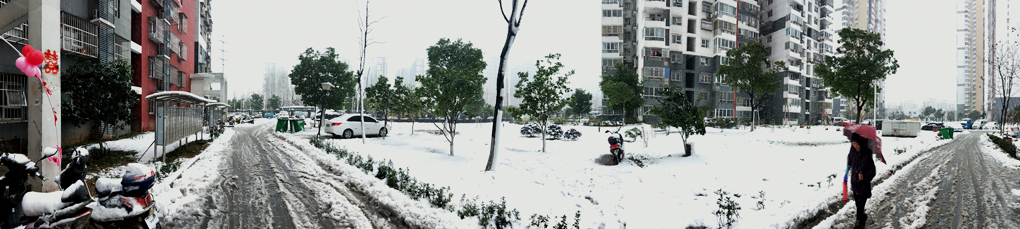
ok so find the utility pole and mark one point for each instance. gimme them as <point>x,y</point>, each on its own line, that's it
<point>223,53</point>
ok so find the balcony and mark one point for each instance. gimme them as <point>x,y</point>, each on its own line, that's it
<point>156,3</point>
<point>18,35</point>
<point>706,25</point>
<point>174,44</point>
<point>78,35</point>
<point>156,29</point>
<point>122,51</point>
<point>156,67</point>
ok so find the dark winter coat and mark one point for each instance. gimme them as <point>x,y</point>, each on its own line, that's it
<point>861,162</point>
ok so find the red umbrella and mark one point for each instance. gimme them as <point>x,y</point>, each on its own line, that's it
<point>868,132</point>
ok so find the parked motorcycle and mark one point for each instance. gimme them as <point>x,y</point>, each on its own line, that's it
<point>61,209</point>
<point>616,145</point>
<point>126,202</point>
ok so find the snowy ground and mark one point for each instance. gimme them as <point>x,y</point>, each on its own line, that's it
<point>787,164</point>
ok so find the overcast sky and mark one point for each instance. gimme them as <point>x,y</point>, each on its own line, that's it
<point>260,31</point>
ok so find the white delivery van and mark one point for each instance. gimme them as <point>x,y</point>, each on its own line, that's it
<point>901,128</point>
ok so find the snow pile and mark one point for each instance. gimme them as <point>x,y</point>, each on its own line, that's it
<point>182,194</point>
<point>989,148</point>
<point>415,213</point>
<point>142,144</point>
<point>656,188</point>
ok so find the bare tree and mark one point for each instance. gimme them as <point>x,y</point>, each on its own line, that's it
<point>1006,65</point>
<point>513,24</point>
<point>365,26</point>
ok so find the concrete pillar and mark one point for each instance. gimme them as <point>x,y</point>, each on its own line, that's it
<point>44,35</point>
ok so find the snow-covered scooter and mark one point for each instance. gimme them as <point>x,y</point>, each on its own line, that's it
<point>616,145</point>
<point>126,203</point>
<point>62,209</point>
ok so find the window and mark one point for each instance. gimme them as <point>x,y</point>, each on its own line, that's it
<point>180,79</point>
<point>610,1</point>
<point>768,39</point>
<point>706,78</point>
<point>770,11</point>
<point>655,72</point>
<point>369,119</point>
<point>726,26</point>
<point>182,25</point>
<point>719,113</point>
<point>610,47</point>
<point>655,17</point>
<point>653,52</point>
<point>678,3</point>
<point>355,119</point>
<point>725,96</point>
<point>725,9</point>
<point>13,100</point>
<point>612,31</point>
<point>610,63</point>
<point>677,38</point>
<point>704,43</point>
<point>677,20</point>
<point>724,44</point>
<point>612,13</point>
<point>655,34</point>
<point>702,96</point>
<point>704,60</point>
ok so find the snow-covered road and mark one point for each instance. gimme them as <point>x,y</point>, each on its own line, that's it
<point>269,183</point>
<point>953,186</point>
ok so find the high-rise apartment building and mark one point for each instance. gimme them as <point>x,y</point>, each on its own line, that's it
<point>868,15</point>
<point>165,32</point>
<point>970,55</point>
<point>203,35</point>
<point>680,44</point>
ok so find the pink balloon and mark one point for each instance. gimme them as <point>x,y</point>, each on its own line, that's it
<point>21,63</point>
<point>30,71</point>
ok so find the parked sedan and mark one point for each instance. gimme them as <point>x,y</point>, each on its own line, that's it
<point>349,125</point>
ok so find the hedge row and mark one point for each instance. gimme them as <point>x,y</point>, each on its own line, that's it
<point>1006,146</point>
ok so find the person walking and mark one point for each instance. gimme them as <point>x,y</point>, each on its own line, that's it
<point>862,168</point>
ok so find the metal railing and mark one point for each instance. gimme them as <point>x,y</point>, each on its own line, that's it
<point>122,50</point>
<point>156,29</point>
<point>17,35</point>
<point>78,35</point>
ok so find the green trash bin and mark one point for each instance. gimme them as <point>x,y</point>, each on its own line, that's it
<point>297,125</point>
<point>947,133</point>
<point>281,125</point>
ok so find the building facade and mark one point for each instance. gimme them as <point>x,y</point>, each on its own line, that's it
<point>165,30</point>
<point>970,55</point>
<point>681,44</point>
<point>868,15</point>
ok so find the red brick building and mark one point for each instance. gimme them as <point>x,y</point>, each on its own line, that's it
<point>164,30</point>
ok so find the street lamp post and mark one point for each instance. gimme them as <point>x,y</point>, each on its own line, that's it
<point>322,116</point>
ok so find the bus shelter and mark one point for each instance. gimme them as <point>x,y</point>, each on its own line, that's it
<point>179,115</point>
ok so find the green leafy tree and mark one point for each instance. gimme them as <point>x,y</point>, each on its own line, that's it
<point>408,103</point>
<point>316,68</point>
<point>677,111</point>
<point>928,112</point>
<point>256,101</point>
<point>479,108</point>
<point>940,114</point>
<point>454,79</point>
<point>274,102</point>
<point>542,95</point>
<point>974,115</point>
<point>751,72</point>
<point>382,97</point>
<point>863,62</point>
<point>101,96</point>
<point>580,103</point>
<point>623,89</point>
<point>951,116</point>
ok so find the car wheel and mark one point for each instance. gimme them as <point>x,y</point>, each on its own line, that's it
<point>348,133</point>
<point>382,132</point>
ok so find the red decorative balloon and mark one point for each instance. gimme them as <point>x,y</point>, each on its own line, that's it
<point>26,50</point>
<point>35,58</point>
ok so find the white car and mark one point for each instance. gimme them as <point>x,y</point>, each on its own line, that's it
<point>349,125</point>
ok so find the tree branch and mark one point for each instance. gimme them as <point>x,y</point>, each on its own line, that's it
<point>519,17</point>
<point>503,11</point>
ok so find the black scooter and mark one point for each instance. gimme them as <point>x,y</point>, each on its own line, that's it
<point>62,209</point>
<point>616,145</point>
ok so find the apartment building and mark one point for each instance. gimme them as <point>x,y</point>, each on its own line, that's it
<point>970,55</point>
<point>165,31</point>
<point>678,43</point>
<point>868,15</point>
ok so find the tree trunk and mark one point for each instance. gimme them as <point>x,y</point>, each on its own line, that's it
<point>412,124</point>
<point>504,56</point>
<point>453,133</point>
<point>543,137</point>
